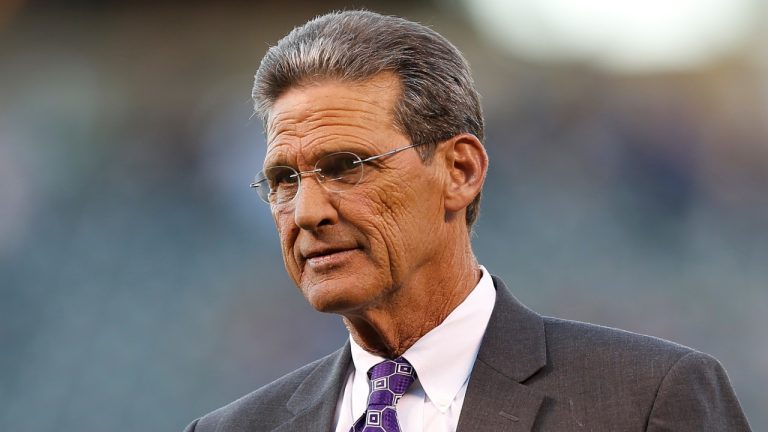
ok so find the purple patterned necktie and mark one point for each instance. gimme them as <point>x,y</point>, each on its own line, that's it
<point>389,380</point>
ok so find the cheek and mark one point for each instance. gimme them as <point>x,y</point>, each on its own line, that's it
<point>394,220</point>
<point>287,233</point>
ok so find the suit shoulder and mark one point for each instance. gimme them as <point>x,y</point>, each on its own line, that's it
<point>271,398</point>
<point>591,370</point>
<point>566,336</point>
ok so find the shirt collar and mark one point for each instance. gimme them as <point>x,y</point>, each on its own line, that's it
<point>443,358</point>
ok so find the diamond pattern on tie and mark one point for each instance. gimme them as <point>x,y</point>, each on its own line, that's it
<point>389,380</point>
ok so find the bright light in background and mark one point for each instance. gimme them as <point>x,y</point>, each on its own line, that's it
<point>621,35</point>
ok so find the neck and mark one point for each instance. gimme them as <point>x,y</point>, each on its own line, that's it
<point>391,327</point>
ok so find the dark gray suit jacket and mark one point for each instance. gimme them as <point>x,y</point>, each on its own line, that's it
<point>532,373</point>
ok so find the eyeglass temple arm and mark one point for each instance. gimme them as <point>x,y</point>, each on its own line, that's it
<point>399,149</point>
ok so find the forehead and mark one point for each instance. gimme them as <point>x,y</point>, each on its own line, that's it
<point>311,112</point>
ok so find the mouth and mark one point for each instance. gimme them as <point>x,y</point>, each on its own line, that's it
<point>327,258</point>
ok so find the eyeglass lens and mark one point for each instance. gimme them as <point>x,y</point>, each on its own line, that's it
<point>336,172</point>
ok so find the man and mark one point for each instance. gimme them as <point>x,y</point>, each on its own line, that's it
<point>373,174</point>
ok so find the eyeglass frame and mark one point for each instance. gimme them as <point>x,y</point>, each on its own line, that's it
<point>299,174</point>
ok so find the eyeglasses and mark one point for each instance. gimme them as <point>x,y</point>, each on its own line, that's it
<point>337,172</point>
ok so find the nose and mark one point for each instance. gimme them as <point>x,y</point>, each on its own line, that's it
<point>313,206</point>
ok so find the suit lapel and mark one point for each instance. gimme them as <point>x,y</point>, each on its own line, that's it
<point>513,349</point>
<point>314,402</point>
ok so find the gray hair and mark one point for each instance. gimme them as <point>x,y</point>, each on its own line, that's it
<point>438,100</point>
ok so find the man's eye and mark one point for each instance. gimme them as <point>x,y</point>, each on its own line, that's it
<point>281,176</point>
<point>339,165</point>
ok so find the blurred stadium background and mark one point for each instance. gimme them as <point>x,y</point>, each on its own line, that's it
<point>140,280</point>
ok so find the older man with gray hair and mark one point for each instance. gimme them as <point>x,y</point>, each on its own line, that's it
<point>373,174</point>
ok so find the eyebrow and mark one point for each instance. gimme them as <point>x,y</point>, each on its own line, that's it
<point>279,158</point>
<point>343,146</point>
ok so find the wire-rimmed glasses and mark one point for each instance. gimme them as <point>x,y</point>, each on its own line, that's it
<point>336,172</point>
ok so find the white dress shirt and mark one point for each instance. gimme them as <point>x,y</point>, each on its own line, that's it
<point>443,360</point>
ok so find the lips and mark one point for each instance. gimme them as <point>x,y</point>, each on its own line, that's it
<point>325,258</point>
<point>324,251</point>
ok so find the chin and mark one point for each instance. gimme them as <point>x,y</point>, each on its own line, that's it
<point>337,296</point>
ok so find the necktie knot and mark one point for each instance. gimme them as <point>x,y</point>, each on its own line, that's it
<point>389,380</point>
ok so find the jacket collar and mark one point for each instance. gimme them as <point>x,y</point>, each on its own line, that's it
<point>513,349</point>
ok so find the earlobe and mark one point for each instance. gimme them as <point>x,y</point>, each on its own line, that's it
<point>467,165</point>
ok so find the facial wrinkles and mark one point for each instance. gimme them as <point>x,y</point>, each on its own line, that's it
<point>389,197</point>
<point>343,117</point>
<point>303,147</point>
<point>391,207</point>
<point>292,234</point>
<point>376,230</point>
<point>303,127</point>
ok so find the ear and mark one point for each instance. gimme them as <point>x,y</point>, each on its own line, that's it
<point>467,165</point>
